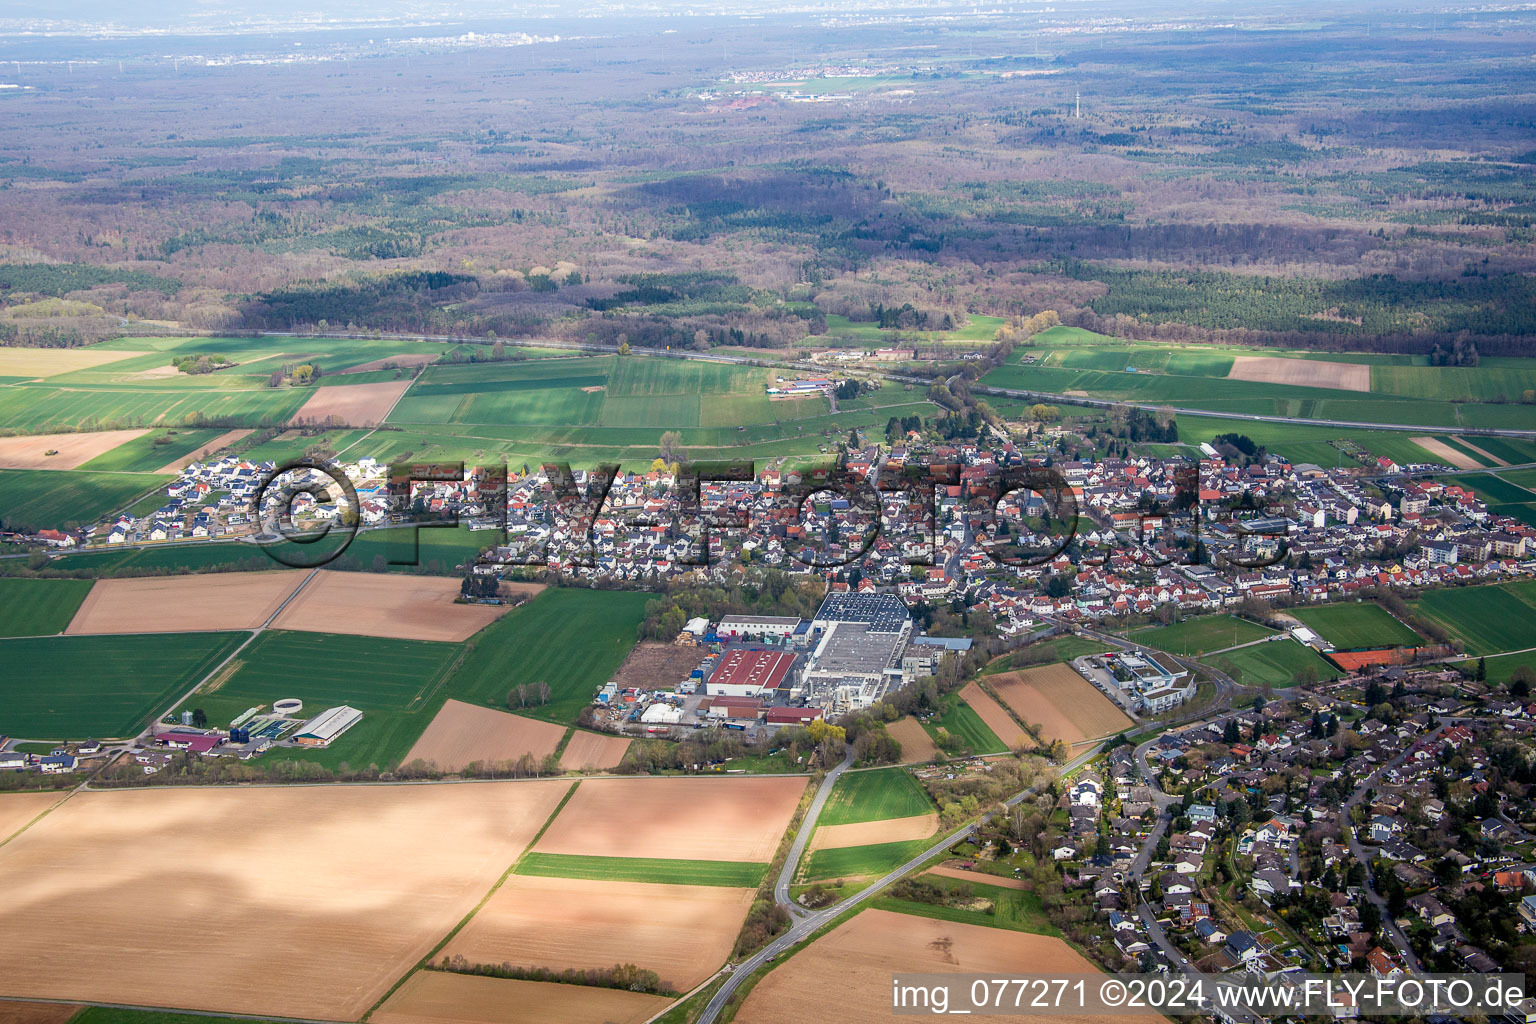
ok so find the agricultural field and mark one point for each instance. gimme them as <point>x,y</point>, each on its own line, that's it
<point>308,888</point>
<point>39,607</point>
<point>18,809</point>
<point>161,451</point>
<point>1495,490</point>
<point>693,818</point>
<point>1301,442</point>
<point>1011,909</point>
<point>1062,703</point>
<point>1277,663</point>
<point>1487,620</point>
<point>386,605</point>
<point>573,639</point>
<point>728,873</point>
<point>866,861</point>
<point>996,718</point>
<point>916,745</point>
<point>356,405</point>
<point>682,932</point>
<point>64,451</point>
<point>13,1012</point>
<point>875,833</point>
<point>461,734</point>
<point>438,997</point>
<point>82,687</point>
<point>960,721</point>
<point>591,751</point>
<point>1501,668</point>
<point>874,795</point>
<point>856,960</point>
<point>1199,635</point>
<point>184,604</point>
<point>1357,625</point>
<point>65,499</point>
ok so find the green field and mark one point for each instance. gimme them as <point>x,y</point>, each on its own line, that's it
<point>1357,625</point>
<point>1487,620</point>
<point>63,499</point>
<point>151,451</point>
<point>39,607</point>
<point>573,639</point>
<point>1012,909</point>
<point>874,796</point>
<point>77,687</point>
<point>1494,490</point>
<point>735,874</point>
<point>1207,633</point>
<point>856,861</point>
<point>1501,668</point>
<point>966,724</point>
<point>1278,663</point>
<point>1301,442</point>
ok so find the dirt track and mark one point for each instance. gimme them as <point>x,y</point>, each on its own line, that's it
<point>738,819</point>
<point>590,750</point>
<point>179,604</point>
<point>352,405</point>
<point>868,833</point>
<point>460,733</point>
<point>916,744</point>
<point>304,901</point>
<point>853,964</point>
<point>73,450</point>
<point>1064,704</point>
<point>682,932</point>
<point>432,997</point>
<point>387,604</point>
<point>1306,373</point>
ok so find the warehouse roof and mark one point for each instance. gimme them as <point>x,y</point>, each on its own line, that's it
<point>746,667</point>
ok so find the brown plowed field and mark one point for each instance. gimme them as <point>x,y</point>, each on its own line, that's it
<point>433,997</point>
<point>590,750</point>
<point>461,733</point>
<point>1064,704</point>
<point>682,932</point>
<point>16,809</point>
<point>387,604</point>
<point>916,744</point>
<point>222,441</point>
<point>46,362</point>
<point>853,964</point>
<point>181,604</point>
<point>404,359</point>
<point>353,405</point>
<point>979,877</point>
<point>73,449</point>
<point>868,833</point>
<point>737,819</point>
<point>997,719</point>
<point>291,901</point>
<point>36,1013</point>
<point>651,665</point>
<point>1446,454</point>
<point>1306,373</point>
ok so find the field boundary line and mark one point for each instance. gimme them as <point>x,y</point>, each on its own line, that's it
<point>427,959</point>
<point>67,793</point>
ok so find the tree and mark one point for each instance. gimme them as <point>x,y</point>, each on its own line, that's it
<point>672,446</point>
<point>199,717</point>
<point>623,348</point>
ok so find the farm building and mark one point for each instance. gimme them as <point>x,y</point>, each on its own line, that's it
<point>748,673</point>
<point>196,742</point>
<point>323,729</point>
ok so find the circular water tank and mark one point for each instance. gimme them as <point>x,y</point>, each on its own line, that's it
<point>288,706</point>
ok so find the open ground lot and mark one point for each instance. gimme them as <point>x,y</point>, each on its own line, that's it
<point>79,687</point>
<point>737,819</point>
<point>869,833</point>
<point>461,733</point>
<point>183,604</point>
<point>1310,373</point>
<point>16,809</point>
<point>304,902</point>
<point>1199,635</point>
<point>39,607</point>
<point>996,717</point>
<point>354,405</point>
<point>651,665</point>
<point>590,751</point>
<point>384,604</point>
<point>1357,625</point>
<point>916,744</point>
<point>856,959</point>
<point>682,932</point>
<point>434,997</point>
<point>70,451</point>
<point>1064,704</point>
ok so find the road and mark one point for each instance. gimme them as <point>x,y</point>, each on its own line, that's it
<point>803,837</point>
<point>807,924</point>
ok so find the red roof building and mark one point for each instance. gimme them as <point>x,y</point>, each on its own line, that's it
<point>765,669</point>
<point>792,716</point>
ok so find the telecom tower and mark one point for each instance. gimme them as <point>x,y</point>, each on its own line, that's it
<point>1079,111</point>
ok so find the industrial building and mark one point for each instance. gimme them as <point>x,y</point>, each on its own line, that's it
<point>775,627</point>
<point>321,730</point>
<point>857,659</point>
<point>747,672</point>
<point>883,613</point>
